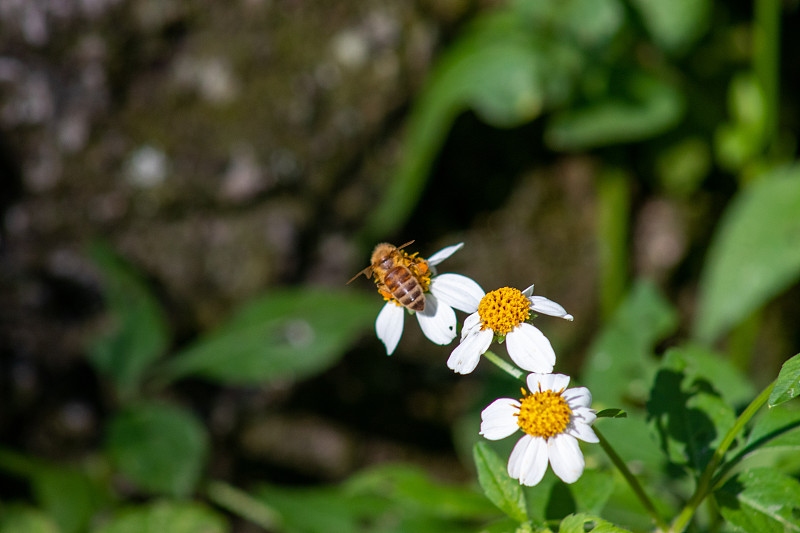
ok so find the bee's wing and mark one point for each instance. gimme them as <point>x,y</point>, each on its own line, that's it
<point>367,272</point>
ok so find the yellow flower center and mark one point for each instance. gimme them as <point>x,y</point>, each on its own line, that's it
<point>543,413</point>
<point>503,310</point>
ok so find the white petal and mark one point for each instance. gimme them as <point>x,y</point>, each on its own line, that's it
<point>585,415</point>
<point>471,325</point>
<point>528,460</point>
<point>457,291</point>
<point>565,457</point>
<point>528,292</point>
<point>438,321</point>
<point>499,419</point>
<point>465,357</point>
<point>443,254</point>
<point>554,382</point>
<point>578,397</point>
<point>389,325</point>
<point>542,305</point>
<point>580,429</point>
<point>530,349</point>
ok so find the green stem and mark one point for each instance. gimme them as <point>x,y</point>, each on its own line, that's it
<point>632,481</point>
<point>766,63</point>
<point>505,366</point>
<point>243,504</point>
<point>704,485</point>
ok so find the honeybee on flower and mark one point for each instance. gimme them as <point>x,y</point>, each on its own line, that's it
<point>410,283</point>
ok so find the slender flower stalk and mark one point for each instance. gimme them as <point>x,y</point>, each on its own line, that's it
<point>704,484</point>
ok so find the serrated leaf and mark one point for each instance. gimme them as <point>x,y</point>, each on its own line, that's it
<point>159,447</point>
<point>162,517</point>
<point>754,255</point>
<point>285,334</point>
<point>505,492</point>
<point>644,107</point>
<point>139,333</point>
<point>762,500</point>
<point>788,384</point>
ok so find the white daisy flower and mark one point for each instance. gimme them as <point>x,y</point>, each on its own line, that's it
<point>552,418</point>
<point>443,293</point>
<point>504,313</point>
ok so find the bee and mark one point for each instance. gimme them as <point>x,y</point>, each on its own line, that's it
<point>399,276</point>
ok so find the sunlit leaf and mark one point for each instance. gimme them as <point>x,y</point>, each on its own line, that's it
<point>19,519</point>
<point>761,499</point>
<point>499,487</point>
<point>644,106</point>
<point>159,447</point>
<point>788,384</point>
<point>289,333</point>
<point>582,522</point>
<point>700,363</point>
<point>773,442</point>
<point>138,332</point>
<point>690,416</point>
<point>612,413</point>
<point>162,517</point>
<point>754,255</point>
<point>676,24</point>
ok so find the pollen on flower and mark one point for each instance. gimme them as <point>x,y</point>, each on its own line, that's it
<point>543,413</point>
<point>503,310</point>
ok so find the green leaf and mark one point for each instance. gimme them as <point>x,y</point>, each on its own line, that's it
<point>620,364</point>
<point>505,492</point>
<point>788,384</point>
<point>754,255</point>
<point>592,490</point>
<point>285,334</point>
<point>700,363</point>
<point>19,519</point>
<point>162,517</point>
<point>576,523</point>
<point>690,416</point>
<point>410,486</point>
<point>69,496</point>
<point>762,500</point>
<point>677,24</point>
<point>643,107</point>
<point>138,333</point>
<point>612,413</point>
<point>159,447</point>
<point>773,442</point>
